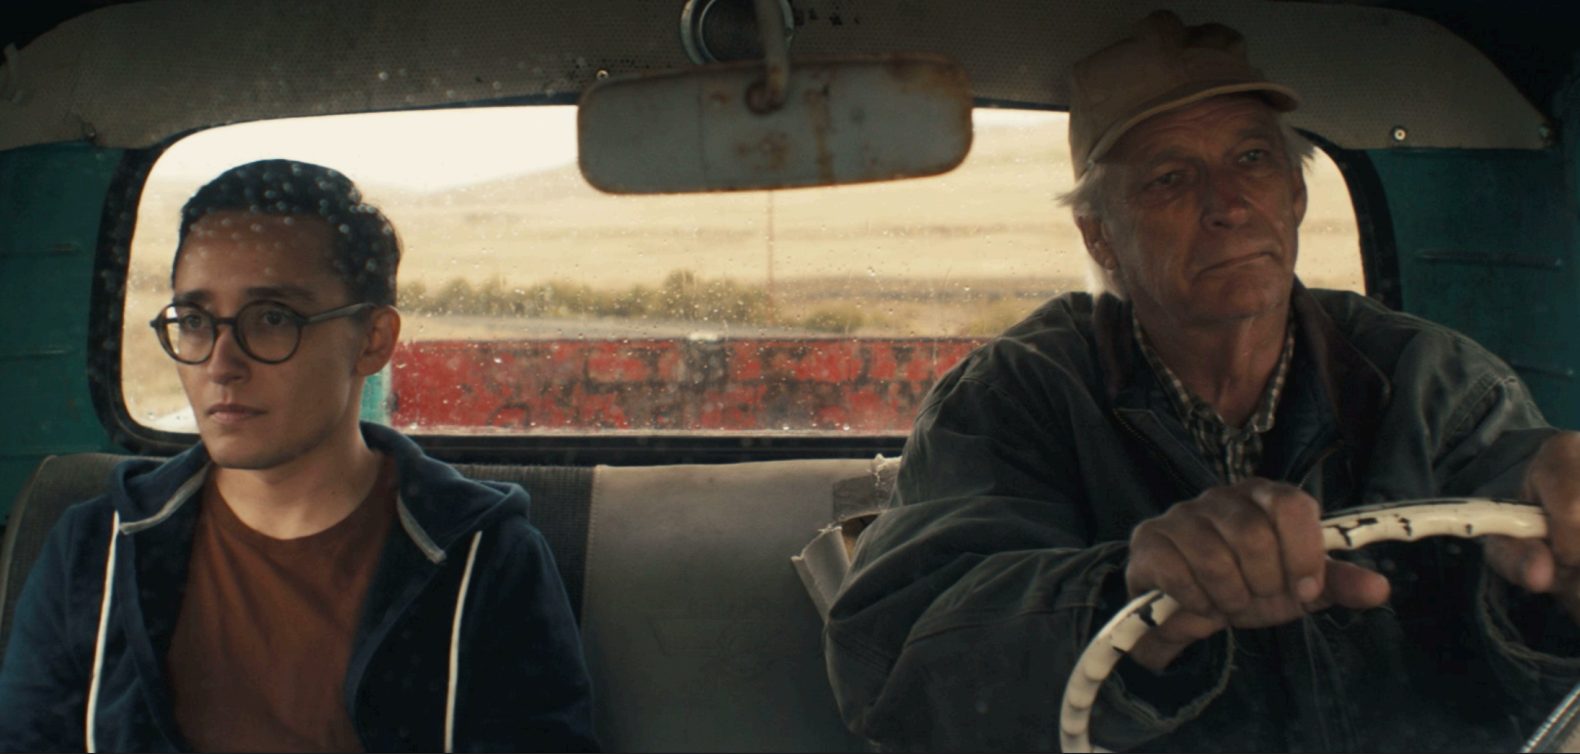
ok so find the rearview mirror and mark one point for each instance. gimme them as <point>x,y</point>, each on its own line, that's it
<point>850,120</point>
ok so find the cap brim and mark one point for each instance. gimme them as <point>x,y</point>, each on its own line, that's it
<point>1280,97</point>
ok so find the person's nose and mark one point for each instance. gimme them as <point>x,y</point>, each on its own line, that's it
<point>228,363</point>
<point>1224,206</point>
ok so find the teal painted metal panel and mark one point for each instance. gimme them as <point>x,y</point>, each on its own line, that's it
<point>51,198</point>
<point>1484,240</point>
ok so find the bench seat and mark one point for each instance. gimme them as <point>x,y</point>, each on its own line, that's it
<point>699,634</point>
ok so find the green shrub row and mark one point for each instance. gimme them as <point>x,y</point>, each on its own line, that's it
<point>681,296</point>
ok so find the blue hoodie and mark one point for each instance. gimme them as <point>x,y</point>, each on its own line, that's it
<point>516,679</point>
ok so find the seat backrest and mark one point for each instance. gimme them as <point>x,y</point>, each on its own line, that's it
<point>699,634</point>
<point>698,631</point>
<point>55,485</point>
<point>561,496</point>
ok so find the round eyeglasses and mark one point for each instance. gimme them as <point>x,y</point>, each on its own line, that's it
<point>267,331</point>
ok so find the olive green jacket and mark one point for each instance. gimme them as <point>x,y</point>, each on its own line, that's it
<point>1004,548</point>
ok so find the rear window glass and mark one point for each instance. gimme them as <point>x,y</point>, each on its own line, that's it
<point>532,303</point>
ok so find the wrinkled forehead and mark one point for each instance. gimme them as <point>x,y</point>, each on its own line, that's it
<point>1216,122</point>
<point>248,248</point>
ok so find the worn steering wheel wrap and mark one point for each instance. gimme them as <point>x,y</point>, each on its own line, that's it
<point>1403,521</point>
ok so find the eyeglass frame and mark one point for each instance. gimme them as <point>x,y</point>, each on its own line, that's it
<point>159,322</point>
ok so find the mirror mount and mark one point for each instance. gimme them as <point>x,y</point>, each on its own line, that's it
<point>758,123</point>
<point>844,120</point>
<point>761,124</point>
<point>770,96</point>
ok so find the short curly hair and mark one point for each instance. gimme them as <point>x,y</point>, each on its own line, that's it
<point>366,251</point>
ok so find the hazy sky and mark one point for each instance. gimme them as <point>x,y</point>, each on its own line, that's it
<point>418,150</point>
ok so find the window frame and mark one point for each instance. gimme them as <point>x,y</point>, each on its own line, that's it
<point>107,311</point>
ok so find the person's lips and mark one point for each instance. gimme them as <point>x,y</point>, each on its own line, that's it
<point>233,413</point>
<point>1236,261</point>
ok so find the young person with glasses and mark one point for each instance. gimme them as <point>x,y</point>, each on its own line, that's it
<point>299,580</point>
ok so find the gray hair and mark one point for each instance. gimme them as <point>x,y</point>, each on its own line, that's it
<point>1090,197</point>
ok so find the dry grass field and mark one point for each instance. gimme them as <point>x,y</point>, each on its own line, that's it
<point>967,252</point>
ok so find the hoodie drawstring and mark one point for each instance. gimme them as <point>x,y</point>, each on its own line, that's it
<point>104,631</point>
<point>455,644</point>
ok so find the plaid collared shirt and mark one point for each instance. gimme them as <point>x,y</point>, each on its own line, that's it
<point>1234,451</point>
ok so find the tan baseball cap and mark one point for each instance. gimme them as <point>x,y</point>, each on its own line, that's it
<point>1162,66</point>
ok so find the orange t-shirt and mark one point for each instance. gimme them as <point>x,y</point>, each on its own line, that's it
<point>258,660</point>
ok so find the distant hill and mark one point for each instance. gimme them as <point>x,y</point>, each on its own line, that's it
<point>997,216</point>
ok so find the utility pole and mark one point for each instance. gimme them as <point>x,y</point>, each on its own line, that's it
<point>770,235</point>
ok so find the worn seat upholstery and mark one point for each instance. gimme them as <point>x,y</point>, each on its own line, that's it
<point>698,632</point>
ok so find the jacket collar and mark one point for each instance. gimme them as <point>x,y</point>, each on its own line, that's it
<point>436,505</point>
<point>1355,388</point>
<point>1116,343</point>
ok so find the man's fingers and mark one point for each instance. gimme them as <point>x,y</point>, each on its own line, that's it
<point>1563,526</point>
<point>1354,587</point>
<point>1566,589</point>
<point>1296,518</point>
<point>1561,500</point>
<point>1248,532</point>
<point>1525,563</point>
<point>1211,569</point>
<point>1553,479</point>
<point>1156,563</point>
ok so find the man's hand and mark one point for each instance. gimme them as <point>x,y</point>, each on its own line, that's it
<point>1247,555</point>
<point>1551,565</point>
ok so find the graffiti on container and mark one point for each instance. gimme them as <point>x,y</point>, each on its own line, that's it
<point>826,384</point>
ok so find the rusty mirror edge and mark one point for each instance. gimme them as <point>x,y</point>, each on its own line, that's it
<point>849,120</point>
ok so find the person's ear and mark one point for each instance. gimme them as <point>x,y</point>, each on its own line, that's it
<point>1300,195</point>
<point>378,346</point>
<point>1096,239</point>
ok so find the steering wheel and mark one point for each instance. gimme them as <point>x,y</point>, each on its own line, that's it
<point>1403,521</point>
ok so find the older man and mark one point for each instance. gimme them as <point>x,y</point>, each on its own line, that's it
<point>1185,433</point>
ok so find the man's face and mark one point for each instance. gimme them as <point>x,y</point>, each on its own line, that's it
<point>253,415</point>
<point>1203,213</point>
